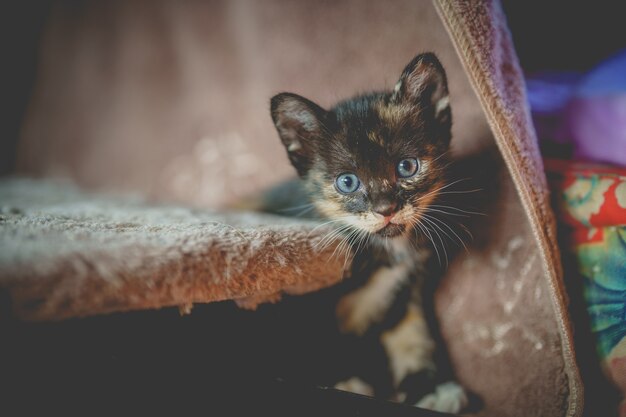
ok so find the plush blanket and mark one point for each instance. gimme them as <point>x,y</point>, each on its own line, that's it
<point>65,253</point>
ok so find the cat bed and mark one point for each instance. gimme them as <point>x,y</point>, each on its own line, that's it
<point>501,305</point>
<point>67,254</point>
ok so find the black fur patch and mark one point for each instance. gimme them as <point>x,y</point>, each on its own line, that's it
<point>368,136</point>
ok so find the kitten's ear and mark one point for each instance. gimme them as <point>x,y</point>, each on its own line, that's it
<point>424,82</point>
<point>300,124</point>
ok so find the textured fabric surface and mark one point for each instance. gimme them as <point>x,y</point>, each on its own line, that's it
<point>479,33</point>
<point>168,97</point>
<point>66,254</point>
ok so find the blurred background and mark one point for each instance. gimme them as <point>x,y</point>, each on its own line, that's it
<point>170,99</point>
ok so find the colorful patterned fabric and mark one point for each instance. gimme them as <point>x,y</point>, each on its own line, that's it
<point>591,199</point>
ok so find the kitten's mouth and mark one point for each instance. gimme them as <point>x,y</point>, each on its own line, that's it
<point>391,230</point>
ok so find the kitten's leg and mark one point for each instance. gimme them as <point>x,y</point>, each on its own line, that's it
<point>410,349</point>
<point>360,314</point>
<point>360,309</point>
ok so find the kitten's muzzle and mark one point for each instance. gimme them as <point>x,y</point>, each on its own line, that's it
<point>391,230</point>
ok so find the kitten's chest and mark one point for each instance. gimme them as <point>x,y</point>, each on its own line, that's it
<point>384,278</point>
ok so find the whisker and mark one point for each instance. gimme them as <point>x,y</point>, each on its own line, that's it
<point>457,209</point>
<point>351,244</point>
<point>360,238</point>
<point>441,188</point>
<point>306,210</point>
<point>443,154</point>
<point>333,233</point>
<point>426,233</point>
<point>328,239</point>
<point>446,212</point>
<point>429,220</point>
<point>344,242</point>
<point>328,236</point>
<point>467,231</point>
<point>454,232</point>
<point>414,244</point>
<point>475,190</point>
<point>288,209</point>
<point>325,223</point>
<point>433,218</point>
<point>356,241</point>
<point>443,246</point>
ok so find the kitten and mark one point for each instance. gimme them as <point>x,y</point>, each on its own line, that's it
<point>372,166</point>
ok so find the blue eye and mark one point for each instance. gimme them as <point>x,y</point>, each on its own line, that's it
<point>347,183</point>
<point>408,167</point>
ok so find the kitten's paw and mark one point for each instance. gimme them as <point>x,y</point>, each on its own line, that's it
<point>355,385</point>
<point>449,397</point>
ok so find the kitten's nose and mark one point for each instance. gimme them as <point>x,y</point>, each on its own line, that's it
<point>386,208</point>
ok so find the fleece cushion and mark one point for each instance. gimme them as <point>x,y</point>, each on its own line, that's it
<point>65,253</point>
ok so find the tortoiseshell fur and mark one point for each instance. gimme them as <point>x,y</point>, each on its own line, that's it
<point>382,308</point>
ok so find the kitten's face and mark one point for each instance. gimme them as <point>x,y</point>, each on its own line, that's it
<point>375,162</point>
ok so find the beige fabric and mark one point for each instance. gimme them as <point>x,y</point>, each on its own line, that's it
<point>64,253</point>
<point>171,99</point>
<point>480,36</point>
<point>165,97</point>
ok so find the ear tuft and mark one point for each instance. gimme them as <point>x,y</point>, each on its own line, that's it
<point>300,124</point>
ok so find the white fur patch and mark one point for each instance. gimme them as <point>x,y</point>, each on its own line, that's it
<point>372,222</point>
<point>449,397</point>
<point>442,104</point>
<point>355,385</point>
<point>360,308</point>
<point>368,221</point>
<point>409,346</point>
<point>294,146</point>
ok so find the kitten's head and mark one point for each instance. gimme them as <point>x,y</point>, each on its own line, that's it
<point>376,161</point>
